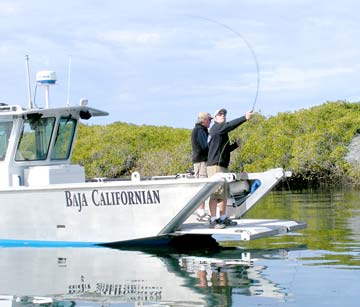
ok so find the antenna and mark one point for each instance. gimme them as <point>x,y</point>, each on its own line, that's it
<point>30,104</point>
<point>69,79</point>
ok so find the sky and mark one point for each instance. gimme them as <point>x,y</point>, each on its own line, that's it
<point>161,62</point>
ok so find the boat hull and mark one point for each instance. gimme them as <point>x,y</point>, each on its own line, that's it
<point>95,212</point>
<point>132,213</point>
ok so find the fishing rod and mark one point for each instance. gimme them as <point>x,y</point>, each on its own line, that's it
<point>252,53</point>
<point>249,47</point>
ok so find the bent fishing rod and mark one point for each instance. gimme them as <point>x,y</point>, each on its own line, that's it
<point>249,47</point>
<point>252,53</point>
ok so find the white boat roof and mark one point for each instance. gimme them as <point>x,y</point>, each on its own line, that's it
<point>6,110</point>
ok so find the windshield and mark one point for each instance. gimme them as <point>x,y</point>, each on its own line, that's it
<point>5,130</point>
<point>35,139</point>
<point>64,138</point>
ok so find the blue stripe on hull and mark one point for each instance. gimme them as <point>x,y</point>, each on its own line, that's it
<point>35,243</point>
<point>183,242</point>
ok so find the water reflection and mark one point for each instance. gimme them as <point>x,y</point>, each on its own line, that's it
<point>333,219</point>
<point>101,275</point>
<point>223,277</point>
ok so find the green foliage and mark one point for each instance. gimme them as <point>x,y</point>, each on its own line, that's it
<point>119,149</point>
<point>311,143</point>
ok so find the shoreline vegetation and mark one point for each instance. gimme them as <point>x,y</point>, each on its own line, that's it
<point>314,144</point>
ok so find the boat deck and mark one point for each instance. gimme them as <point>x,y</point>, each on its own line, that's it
<point>245,230</point>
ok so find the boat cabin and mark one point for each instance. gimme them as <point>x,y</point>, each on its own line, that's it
<point>36,144</point>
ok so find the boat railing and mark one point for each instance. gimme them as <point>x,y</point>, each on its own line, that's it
<point>136,177</point>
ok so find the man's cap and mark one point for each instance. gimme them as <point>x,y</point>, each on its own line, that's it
<point>222,110</point>
<point>204,115</point>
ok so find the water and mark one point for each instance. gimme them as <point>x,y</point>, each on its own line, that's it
<point>319,266</point>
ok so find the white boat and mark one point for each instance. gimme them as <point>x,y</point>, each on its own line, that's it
<point>45,200</point>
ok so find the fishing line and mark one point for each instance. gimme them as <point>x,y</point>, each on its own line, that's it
<point>252,53</point>
<point>249,47</point>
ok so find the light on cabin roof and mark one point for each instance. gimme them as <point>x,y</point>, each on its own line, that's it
<point>83,102</point>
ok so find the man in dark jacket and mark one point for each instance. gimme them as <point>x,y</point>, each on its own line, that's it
<point>218,161</point>
<point>199,137</point>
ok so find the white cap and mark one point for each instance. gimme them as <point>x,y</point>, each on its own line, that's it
<point>222,110</point>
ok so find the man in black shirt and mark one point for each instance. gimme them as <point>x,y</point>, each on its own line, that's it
<point>218,161</point>
<point>199,137</point>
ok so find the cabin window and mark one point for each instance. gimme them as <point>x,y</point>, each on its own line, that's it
<point>5,130</point>
<point>35,139</point>
<point>64,139</point>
